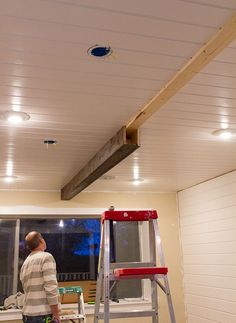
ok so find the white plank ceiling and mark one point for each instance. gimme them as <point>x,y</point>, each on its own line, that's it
<point>81,101</point>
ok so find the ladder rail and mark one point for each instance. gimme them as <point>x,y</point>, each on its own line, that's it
<point>153,260</point>
<point>158,243</point>
<point>99,277</point>
<point>82,307</point>
<point>101,248</point>
<point>169,301</point>
<point>106,262</point>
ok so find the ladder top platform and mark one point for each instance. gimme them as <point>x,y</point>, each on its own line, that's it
<point>129,215</point>
<point>143,271</point>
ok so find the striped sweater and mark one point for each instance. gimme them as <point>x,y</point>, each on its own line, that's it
<point>38,277</point>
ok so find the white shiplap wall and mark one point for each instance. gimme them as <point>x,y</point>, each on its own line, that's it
<point>208,234</point>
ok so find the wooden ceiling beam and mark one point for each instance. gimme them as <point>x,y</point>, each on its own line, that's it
<point>125,141</point>
<point>205,55</point>
<point>115,150</point>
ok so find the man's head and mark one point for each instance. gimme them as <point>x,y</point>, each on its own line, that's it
<point>35,242</point>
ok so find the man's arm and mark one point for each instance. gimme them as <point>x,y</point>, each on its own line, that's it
<point>51,286</point>
<point>55,312</point>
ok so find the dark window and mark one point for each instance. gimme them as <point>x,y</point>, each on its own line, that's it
<point>127,249</point>
<point>7,244</point>
<point>74,243</point>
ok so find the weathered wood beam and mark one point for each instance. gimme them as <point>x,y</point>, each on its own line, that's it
<point>225,35</point>
<point>126,140</point>
<point>116,149</point>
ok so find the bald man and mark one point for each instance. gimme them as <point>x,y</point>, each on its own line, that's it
<point>39,281</point>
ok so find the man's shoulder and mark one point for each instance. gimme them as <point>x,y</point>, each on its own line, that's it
<point>40,256</point>
<point>48,255</point>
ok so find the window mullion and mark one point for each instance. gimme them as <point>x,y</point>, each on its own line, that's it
<point>16,257</point>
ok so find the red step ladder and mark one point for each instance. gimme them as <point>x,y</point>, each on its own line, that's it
<point>114,272</point>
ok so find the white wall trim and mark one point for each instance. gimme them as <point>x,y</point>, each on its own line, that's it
<point>36,210</point>
<point>25,210</point>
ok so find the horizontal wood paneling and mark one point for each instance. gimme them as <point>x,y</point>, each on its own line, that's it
<point>81,101</point>
<point>226,294</point>
<point>212,314</point>
<point>208,235</point>
<point>197,319</point>
<point>226,282</point>
<point>212,303</point>
<point>210,270</point>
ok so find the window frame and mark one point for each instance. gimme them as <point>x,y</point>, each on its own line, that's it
<point>28,212</point>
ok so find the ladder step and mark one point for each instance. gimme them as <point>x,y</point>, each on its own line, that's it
<point>145,271</point>
<point>134,313</point>
<point>71,317</point>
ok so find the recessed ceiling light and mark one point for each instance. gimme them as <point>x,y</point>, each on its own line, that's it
<point>8,179</point>
<point>100,51</point>
<point>137,181</point>
<point>14,117</point>
<point>224,133</point>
